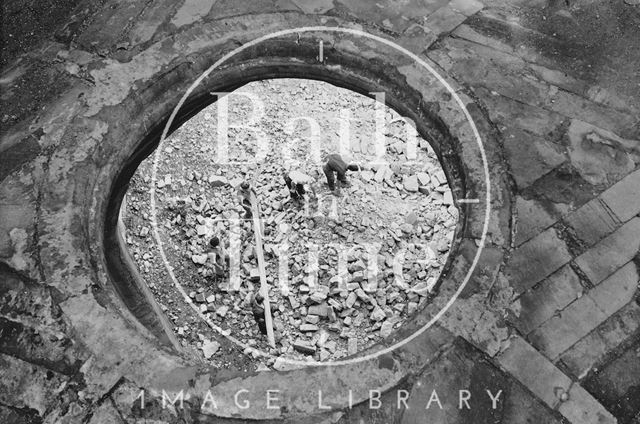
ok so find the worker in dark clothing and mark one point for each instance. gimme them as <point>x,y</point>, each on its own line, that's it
<point>217,257</point>
<point>296,190</point>
<point>335,165</point>
<point>258,312</point>
<point>244,192</point>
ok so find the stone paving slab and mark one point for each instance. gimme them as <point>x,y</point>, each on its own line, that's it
<point>594,348</point>
<point>551,295</point>
<point>390,14</point>
<point>586,313</point>
<point>623,198</point>
<point>533,370</point>
<point>531,156</point>
<point>466,7</point>
<point>548,383</point>
<point>611,252</point>
<point>533,218</point>
<point>592,222</point>
<point>507,112</point>
<point>28,386</point>
<point>618,290</point>
<point>536,259</point>
<point>581,407</point>
<point>537,64</point>
<point>510,76</point>
<point>616,384</point>
<point>529,43</point>
<point>106,414</point>
<point>563,330</point>
<point>504,83</point>
<point>445,20</point>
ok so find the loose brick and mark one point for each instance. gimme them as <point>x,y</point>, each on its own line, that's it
<point>591,350</point>
<point>623,198</point>
<point>533,370</point>
<point>536,259</point>
<point>592,222</point>
<point>612,252</point>
<point>582,316</point>
<point>553,294</point>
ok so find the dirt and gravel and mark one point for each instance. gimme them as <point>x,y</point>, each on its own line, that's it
<point>344,270</point>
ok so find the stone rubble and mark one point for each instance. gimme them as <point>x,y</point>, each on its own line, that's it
<point>327,310</point>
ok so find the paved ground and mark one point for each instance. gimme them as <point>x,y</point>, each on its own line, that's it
<point>550,316</point>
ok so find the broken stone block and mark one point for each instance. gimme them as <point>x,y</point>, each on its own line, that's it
<point>370,286</point>
<point>356,277</point>
<point>410,183</point>
<point>407,228</point>
<point>209,348</point>
<point>423,178</point>
<point>199,259</point>
<point>366,175</point>
<point>323,338</point>
<point>330,346</point>
<point>357,266</point>
<point>281,364</point>
<point>308,327</point>
<point>304,347</point>
<point>447,199</point>
<point>235,182</point>
<point>201,230</point>
<point>312,319</point>
<point>381,174</point>
<point>324,355</point>
<point>362,295</point>
<point>320,310</point>
<point>386,329</point>
<point>353,286</point>
<point>351,299</point>
<point>222,310</point>
<point>411,218</point>
<point>295,304</point>
<point>440,177</point>
<point>352,346</point>
<point>320,294</point>
<point>254,275</point>
<point>218,181</point>
<point>378,314</point>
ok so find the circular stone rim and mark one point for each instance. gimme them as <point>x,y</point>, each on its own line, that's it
<point>440,79</point>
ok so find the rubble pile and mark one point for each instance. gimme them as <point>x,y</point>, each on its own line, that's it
<point>344,271</point>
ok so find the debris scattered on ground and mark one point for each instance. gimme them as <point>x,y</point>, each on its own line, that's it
<point>358,264</point>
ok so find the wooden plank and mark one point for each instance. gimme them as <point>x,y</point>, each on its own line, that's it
<point>264,287</point>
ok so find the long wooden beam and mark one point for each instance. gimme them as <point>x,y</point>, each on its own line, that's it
<point>264,287</point>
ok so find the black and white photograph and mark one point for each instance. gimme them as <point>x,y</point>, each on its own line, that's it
<point>320,211</point>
